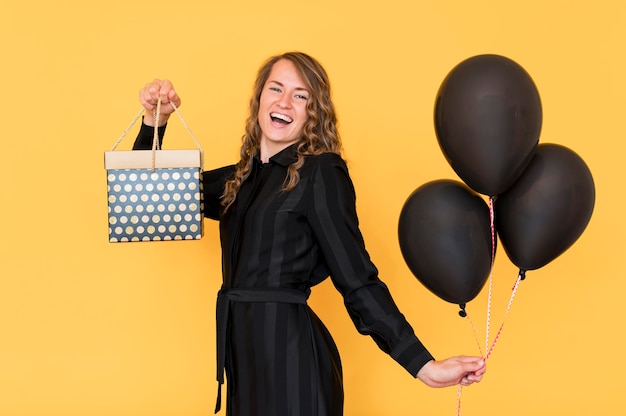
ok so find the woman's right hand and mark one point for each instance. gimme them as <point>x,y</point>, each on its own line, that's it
<point>149,95</point>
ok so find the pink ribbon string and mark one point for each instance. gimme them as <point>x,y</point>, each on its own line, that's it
<point>521,276</point>
<point>493,257</point>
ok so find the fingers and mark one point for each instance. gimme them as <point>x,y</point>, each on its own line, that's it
<point>469,379</point>
<point>473,364</point>
<point>473,377</point>
<point>481,370</point>
<point>149,96</point>
<point>469,359</point>
<point>475,367</point>
<point>470,369</point>
<point>461,370</point>
<point>168,94</point>
<point>152,91</point>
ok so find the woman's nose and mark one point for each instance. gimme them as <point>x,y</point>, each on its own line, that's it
<point>284,101</point>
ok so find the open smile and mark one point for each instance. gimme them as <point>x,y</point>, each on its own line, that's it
<point>281,118</point>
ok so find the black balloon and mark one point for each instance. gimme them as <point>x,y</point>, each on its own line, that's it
<point>445,239</point>
<point>547,209</point>
<point>488,119</point>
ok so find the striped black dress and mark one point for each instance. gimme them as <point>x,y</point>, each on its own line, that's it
<point>278,357</point>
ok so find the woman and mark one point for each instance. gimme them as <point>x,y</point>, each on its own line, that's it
<point>287,222</point>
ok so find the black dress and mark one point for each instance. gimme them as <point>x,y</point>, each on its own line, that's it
<point>278,356</point>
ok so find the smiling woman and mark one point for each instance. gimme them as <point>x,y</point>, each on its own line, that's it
<point>287,222</point>
<point>282,109</point>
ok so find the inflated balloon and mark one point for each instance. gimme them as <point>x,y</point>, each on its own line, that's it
<point>547,209</point>
<point>445,239</point>
<point>488,119</point>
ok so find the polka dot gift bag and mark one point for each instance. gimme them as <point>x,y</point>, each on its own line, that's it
<point>154,195</point>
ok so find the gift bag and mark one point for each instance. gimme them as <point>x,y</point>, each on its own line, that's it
<point>154,195</point>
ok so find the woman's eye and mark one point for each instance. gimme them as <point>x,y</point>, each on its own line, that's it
<point>275,89</point>
<point>302,97</point>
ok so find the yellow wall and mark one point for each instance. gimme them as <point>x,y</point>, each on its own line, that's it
<point>89,328</point>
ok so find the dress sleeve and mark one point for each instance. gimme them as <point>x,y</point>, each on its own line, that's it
<point>213,182</point>
<point>332,216</point>
<point>146,136</point>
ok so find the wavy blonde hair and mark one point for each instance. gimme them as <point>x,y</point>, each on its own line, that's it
<point>319,134</point>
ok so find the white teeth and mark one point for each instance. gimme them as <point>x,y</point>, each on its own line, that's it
<point>282,117</point>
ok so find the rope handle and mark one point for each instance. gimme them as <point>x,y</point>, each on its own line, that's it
<point>155,140</point>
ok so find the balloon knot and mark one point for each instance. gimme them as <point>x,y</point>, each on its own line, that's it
<point>462,312</point>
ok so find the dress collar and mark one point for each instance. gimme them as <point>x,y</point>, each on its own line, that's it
<point>284,158</point>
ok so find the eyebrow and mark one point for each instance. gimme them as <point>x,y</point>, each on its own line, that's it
<point>282,85</point>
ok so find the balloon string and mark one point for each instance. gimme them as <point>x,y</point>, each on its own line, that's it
<point>460,388</point>
<point>492,226</point>
<point>488,320</point>
<point>520,277</point>
<point>488,312</point>
<point>475,332</point>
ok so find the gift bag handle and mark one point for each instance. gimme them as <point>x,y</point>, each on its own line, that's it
<point>155,140</point>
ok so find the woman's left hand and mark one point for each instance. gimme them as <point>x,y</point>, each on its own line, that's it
<point>461,370</point>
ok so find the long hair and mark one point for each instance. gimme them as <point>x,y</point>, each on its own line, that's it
<point>319,134</point>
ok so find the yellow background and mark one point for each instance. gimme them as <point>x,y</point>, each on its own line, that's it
<point>91,328</point>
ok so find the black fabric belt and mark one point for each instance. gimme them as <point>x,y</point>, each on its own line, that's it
<point>224,298</point>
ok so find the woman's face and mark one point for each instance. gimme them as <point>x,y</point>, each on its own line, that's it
<point>282,109</point>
